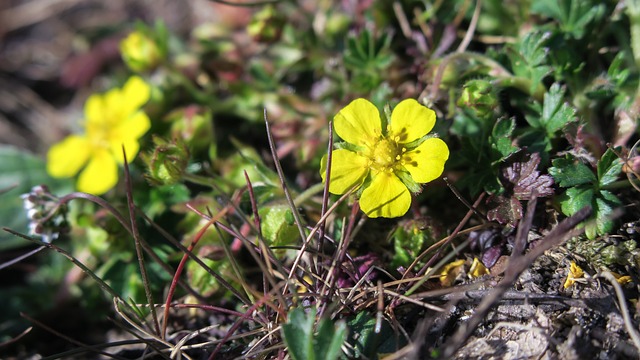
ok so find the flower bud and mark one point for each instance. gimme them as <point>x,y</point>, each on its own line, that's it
<point>140,52</point>
<point>167,163</point>
<point>266,25</point>
<point>479,96</point>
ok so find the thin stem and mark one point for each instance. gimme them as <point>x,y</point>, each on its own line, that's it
<point>136,240</point>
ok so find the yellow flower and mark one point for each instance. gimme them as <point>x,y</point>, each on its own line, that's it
<point>139,52</point>
<point>575,272</point>
<point>386,165</point>
<point>112,120</point>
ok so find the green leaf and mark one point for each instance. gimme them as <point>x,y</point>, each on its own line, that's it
<point>569,172</point>
<point>532,47</point>
<point>605,203</point>
<point>527,58</point>
<point>329,340</point>
<point>278,226</point>
<point>501,136</point>
<point>573,16</point>
<point>556,113</point>
<point>575,199</point>
<point>303,344</point>
<point>609,168</point>
<point>298,334</point>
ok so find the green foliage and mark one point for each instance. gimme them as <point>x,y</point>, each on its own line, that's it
<point>572,16</point>
<point>528,59</point>
<point>410,238</point>
<point>367,55</point>
<point>537,81</point>
<point>278,226</point>
<point>484,150</point>
<point>306,342</point>
<point>370,336</point>
<point>584,188</point>
<point>546,123</point>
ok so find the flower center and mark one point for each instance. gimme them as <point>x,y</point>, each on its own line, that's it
<point>384,154</point>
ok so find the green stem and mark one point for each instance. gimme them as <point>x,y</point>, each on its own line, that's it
<point>198,179</point>
<point>522,84</point>
<point>633,12</point>
<point>620,184</point>
<point>305,195</point>
<point>504,78</point>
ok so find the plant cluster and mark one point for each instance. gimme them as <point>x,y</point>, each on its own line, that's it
<point>306,182</point>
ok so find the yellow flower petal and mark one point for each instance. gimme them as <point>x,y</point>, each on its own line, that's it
<point>136,92</point>
<point>94,109</point>
<point>131,147</point>
<point>426,162</point>
<point>386,196</point>
<point>65,158</point>
<point>127,134</point>
<point>348,169</point>
<point>410,121</point>
<point>358,123</point>
<point>100,175</point>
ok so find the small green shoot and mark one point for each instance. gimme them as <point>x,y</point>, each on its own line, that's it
<point>306,344</point>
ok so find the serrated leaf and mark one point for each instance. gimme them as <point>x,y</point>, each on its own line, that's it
<point>573,16</point>
<point>609,168</point>
<point>532,47</point>
<point>501,136</point>
<point>576,198</point>
<point>508,211</point>
<point>569,172</point>
<point>556,113</point>
<point>526,179</point>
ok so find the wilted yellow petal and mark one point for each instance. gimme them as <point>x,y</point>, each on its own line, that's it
<point>426,162</point>
<point>67,157</point>
<point>348,169</point>
<point>386,196</point>
<point>450,272</point>
<point>477,269</point>
<point>621,279</point>
<point>410,121</point>
<point>100,175</point>
<point>575,272</point>
<point>358,123</point>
